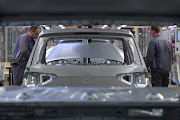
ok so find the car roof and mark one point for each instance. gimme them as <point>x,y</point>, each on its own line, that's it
<point>85,31</point>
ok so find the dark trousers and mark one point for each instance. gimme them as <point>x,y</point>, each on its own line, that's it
<point>18,74</point>
<point>159,79</point>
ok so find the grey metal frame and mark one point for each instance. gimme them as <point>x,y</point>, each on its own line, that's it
<point>36,66</point>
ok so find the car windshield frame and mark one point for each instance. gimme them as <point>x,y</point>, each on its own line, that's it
<point>130,40</point>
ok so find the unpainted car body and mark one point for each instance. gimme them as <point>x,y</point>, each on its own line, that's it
<point>86,57</point>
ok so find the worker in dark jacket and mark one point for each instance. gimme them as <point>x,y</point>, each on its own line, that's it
<point>159,58</point>
<point>22,51</point>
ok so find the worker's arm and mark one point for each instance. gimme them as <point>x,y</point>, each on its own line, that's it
<point>150,54</point>
<point>24,47</point>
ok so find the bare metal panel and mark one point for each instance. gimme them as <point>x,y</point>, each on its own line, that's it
<point>86,103</point>
<point>40,73</point>
<point>69,95</point>
<point>84,50</point>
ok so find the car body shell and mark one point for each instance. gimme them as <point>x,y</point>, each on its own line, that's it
<point>85,75</point>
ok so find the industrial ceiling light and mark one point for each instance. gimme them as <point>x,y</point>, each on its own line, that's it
<point>118,27</point>
<point>104,26</point>
<point>172,26</point>
<point>62,26</point>
<point>46,27</point>
<point>123,25</point>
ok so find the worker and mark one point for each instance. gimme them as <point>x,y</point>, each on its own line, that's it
<point>159,58</point>
<point>22,51</point>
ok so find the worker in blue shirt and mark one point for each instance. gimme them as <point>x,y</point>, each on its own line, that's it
<point>21,54</point>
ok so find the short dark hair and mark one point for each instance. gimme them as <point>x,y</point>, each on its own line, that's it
<point>33,27</point>
<point>156,28</point>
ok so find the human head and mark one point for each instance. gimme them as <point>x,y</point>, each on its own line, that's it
<point>155,30</point>
<point>33,31</point>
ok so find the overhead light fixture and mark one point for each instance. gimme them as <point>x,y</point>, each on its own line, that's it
<point>62,26</point>
<point>104,26</point>
<point>172,26</point>
<point>118,27</point>
<point>123,25</point>
<point>46,27</point>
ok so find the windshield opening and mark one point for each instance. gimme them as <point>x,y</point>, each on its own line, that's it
<point>89,51</point>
